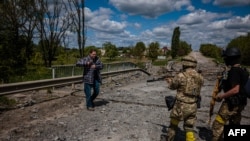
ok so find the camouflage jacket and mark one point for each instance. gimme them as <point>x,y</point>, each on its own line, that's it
<point>187,91</point>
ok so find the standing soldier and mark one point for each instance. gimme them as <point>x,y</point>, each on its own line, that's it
<point>188,84</point>
<point>234,98</point>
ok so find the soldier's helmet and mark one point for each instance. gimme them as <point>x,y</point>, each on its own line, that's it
<point>231,52</point>
<point>189,61</point>
<point>231,56</point>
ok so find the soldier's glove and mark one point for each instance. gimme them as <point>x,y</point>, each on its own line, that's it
<point>170,101</point>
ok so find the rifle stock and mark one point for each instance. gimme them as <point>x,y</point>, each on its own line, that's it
<point>216,90</point>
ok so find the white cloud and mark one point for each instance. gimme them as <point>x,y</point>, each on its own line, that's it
<point>193,18</point>
<point>123,16</point>
<point>238,22</point>
<point>137,25</point>
<point>217,25</point>
<point>231,2</point>
<point>190,8</point>
<point>198,26</point>
<point>162,32</point>
<point>147,34</point>
<point>200,16</point>
<point>100,20</point>
<point>149,8</point>
<point>232,23</point>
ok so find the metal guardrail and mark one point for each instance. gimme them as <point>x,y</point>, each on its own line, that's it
<point>7,89</point>
<point>59,71</point>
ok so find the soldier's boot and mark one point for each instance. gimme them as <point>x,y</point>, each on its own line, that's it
<point>172,130</point>
<point>163,137</point>
<point>217,138</point>
<point>190,136</point>
<point>171,134</point>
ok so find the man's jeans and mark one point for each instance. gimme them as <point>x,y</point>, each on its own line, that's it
<point>87,89</point>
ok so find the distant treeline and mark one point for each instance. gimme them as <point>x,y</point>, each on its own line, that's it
<point>241,42</point>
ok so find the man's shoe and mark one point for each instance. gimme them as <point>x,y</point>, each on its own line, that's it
<point>90,108</point>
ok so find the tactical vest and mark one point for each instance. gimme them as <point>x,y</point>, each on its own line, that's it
<point>193,84</point>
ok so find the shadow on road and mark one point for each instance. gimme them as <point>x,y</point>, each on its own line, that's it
<point>204,133</point>
<point>180,134</point>
<point>101,102</point>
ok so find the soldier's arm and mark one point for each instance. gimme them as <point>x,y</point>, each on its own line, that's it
<point>174,83</point>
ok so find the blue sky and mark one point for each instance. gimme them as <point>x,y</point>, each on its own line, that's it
<point>126,22</point>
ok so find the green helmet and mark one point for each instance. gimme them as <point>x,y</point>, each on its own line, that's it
<point>189,61</point>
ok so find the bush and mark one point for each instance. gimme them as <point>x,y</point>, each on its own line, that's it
<point>160,63</point>
<point>4,101</point>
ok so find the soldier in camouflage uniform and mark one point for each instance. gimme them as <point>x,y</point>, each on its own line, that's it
<point>234,97</point>
<point>188,84</point>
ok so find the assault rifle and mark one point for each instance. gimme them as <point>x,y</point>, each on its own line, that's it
<point>159,78</point>
<point>168,74</point>
<point>216,90</point>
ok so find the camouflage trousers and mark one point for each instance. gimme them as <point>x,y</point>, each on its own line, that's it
<point>182,112</point>
<point>233,116</point>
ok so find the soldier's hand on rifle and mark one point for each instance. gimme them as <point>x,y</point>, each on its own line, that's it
<point>218,98</point>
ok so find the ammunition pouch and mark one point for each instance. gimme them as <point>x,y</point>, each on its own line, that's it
<point>236,100</point>
<point>170,101</point>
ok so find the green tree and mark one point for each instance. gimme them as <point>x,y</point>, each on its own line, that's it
<point>153,50</point>
<point>139,49</point>
<point>88,48</point>
<point>110,50</point>
<point>16,33</point>
<point>175,42</point>
<point>211,50</point>
<point>127,51</point>
<point>184,48</point>
<point>243,43</point>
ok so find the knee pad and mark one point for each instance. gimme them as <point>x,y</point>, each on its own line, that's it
<point>190,136</point>
<point>219,119</point>
<point>174,122</point>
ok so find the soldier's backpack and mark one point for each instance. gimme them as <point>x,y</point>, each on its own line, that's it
<point>193,85</point>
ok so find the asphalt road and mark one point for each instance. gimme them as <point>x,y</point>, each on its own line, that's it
<point>130,110</point>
